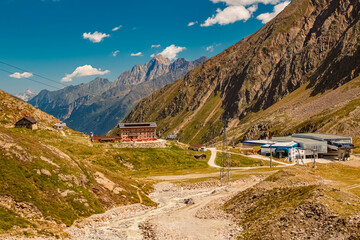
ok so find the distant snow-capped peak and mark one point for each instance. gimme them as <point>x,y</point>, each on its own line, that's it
<point>27,95</point>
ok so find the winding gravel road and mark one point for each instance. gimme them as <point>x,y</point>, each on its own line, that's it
<point>214,151</point>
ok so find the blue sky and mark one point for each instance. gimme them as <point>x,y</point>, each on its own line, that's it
<point>54,37</point>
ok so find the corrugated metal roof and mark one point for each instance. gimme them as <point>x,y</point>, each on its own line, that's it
<point>321,136</point>
<point>133,125</point>
<point>282,144</point>
<point>295,139</point>
<point>258,142</point>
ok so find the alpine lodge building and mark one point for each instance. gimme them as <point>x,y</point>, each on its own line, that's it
<point>137,131</point>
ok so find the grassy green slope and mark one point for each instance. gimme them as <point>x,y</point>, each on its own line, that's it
<point>64,177</point>
<point>242,161</point>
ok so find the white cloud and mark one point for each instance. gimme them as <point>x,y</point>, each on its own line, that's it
<point>171,51</point>
<point>229,15</point>
<point>115,53</point>
<point>192,23</point>
<point>21,75</point>
<point>116,28</point>
<point>235,10</point>
<point>266,17</point>
<point>155,46</point>
<point>152,55</point>
<point>245,2</point>
<point>83,71</point>
<point>136,54</point>
<point>95,37</point>
<point>210,48</point>
<point>253,8</point>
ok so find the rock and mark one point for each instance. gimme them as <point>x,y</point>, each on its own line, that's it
<point>189,201</point>
<point>45,172</point>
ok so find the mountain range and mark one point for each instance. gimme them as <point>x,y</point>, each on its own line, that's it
<point>298,73</point>
<point>99,105</point>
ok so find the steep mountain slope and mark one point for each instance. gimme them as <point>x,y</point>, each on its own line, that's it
<point>99,105</point>
<point>312,45</point>
<point>48,178</point>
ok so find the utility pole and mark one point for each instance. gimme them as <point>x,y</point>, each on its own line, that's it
<point>225,157</point>
<point>271,154</point>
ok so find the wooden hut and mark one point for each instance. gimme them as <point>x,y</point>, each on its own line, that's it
<point>27,122</point>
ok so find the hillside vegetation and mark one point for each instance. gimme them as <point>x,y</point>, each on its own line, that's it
<point>49,179</point>
<point>298,73</point>
<point>297,203</point>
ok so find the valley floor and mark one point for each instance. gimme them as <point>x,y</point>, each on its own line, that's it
<point>185,211</point>
<point>189,209</point>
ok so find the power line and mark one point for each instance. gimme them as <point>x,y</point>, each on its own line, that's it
<point>38,75</point>
<point>32,80</point>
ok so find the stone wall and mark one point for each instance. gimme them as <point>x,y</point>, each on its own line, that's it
<point>151,144</point>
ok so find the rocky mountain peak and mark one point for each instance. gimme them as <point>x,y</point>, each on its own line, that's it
<point>161,60</point>
<point>98,82</point>
<point>155,68</point>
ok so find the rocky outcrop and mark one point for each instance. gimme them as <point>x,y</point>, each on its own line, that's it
<point>294,205</point>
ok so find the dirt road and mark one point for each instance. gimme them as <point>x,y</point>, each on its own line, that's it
<point>187,211</point>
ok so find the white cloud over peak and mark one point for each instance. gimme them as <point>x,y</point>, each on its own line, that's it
<point>115,53</point>
<point>239,10</point>
<point>152,55</point>
<point>245,2</point>
<point>266,17</point>
<point>116,28</point>
<point>192,23</point>
<point>83,71</point>
<point>95,37</point>
<point>136,54</point>
<point>21,75</point>
<point>155,46</point>
<point>229,15</point>
<point>171,51</point>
